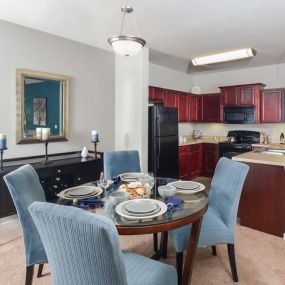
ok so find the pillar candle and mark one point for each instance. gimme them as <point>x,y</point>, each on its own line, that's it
<point>3,141</point>
<point>38,133</point>
<point>94,136</point>
<point>45,133</point>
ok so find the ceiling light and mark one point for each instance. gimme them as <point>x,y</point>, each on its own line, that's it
<point>225,56</point>
<point>124,44</point>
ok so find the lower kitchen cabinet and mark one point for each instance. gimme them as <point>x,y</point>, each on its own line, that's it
<point>183,162</point>
<point>197,159</point>
<point>210,158</point>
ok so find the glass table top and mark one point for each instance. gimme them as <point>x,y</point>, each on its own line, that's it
<point>193,203</point>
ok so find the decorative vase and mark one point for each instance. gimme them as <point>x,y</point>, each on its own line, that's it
<point>84,152</point>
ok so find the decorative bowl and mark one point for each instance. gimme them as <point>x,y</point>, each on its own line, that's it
<point>119,197</point>
<point>166,190</point>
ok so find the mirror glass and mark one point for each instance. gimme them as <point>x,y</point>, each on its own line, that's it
<point>42,102</point>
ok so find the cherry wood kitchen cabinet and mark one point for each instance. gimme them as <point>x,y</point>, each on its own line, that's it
<point>171,98</point>
<point>262,202</point>
<point>272,106</point>
<point>190,161</point>
<point>195,157</point>
<point>183,162</point>
<point>211,108</point>
<point>157,94</point>
<point>183,105</point>
<point>242,95</point>
<point>195,108</point>
<point>210,158</point>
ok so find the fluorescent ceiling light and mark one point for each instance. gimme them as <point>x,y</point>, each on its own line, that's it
<point>225,56</point>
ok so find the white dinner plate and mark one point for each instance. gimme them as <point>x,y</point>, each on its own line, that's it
<point>139,206</point>
<point>79,191</point>
<point>181,187</point>
<point>163,209</point>
<point>96,192</point>
<point>131,176</point>
<point>125,211</point>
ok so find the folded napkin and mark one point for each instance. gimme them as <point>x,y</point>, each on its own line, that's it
<point>173,203</point>
<point>85,203</point>
<point>116,179</point>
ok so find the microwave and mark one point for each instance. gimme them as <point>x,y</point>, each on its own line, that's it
<point>239,115</point>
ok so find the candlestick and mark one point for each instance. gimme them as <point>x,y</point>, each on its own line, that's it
<point>95,148</point>
<point>1,157</point>
<point>3,141</point>
<point>46,161</point>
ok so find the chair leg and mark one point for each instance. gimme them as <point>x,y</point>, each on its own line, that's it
<point>40,270</point>
<point>155,242</point>
<point>179,265</point>
<point>164,238</point>
<point>214,250</point>
<point>231,252</point>
<point>29,274</point>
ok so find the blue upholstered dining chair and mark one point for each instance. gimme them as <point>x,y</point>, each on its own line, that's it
<point>25,188</point>
<point>83,248</point>
<point>218,225</point>
<point>118,162</point>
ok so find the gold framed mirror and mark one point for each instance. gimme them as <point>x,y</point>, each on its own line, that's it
<point>42,102</point>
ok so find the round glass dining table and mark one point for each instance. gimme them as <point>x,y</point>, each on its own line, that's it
<point>191,212</point>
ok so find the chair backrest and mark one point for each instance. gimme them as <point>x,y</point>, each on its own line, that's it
<point>117,162</point>
<point>82,247</point>
<point>226,188</point>
<point>25,188</point>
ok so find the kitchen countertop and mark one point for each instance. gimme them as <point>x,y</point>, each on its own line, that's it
<point>190,142</point>
<point>261,158</point>
<point>270,145</point>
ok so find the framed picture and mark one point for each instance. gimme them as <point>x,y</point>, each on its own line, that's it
<point>40,111</point>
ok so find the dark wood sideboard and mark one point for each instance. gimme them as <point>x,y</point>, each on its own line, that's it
<point>66,170</point>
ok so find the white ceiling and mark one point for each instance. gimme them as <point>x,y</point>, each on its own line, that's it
<point>175,30</point>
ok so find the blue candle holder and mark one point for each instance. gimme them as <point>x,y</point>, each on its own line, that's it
<point>95,147</point>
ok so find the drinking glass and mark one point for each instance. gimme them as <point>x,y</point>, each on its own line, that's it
<point>148,178</point>
<point>104,183</point>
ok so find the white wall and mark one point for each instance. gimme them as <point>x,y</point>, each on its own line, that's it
<point>92,89</point>
<point>272,75</point>
<point>160,76</point>
<point>131,115</point>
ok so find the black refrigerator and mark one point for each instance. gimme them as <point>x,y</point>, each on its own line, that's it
<point>163,141</point>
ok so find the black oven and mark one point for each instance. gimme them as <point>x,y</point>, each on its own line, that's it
<point>239,115</point>
<point>239,142</point>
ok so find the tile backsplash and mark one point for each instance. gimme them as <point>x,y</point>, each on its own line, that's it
<point>215,129</point>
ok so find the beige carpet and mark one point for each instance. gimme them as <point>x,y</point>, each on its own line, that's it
<point>260,258</point>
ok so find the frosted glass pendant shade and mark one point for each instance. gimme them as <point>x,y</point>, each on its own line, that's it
<point>126,45</point>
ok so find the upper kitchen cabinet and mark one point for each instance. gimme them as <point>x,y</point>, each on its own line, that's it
<point>272,106</point>
<point>211,108</point>
<point>183,107</point>
<point>195,108</point>
<point>171,98</point>
<point>242,95</point>
<point>157,94</point>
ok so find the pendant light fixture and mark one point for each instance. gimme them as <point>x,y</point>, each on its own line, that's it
<point>125,44</point>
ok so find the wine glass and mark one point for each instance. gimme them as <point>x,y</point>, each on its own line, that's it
<point>104,183</point>
<point>148,178</point>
